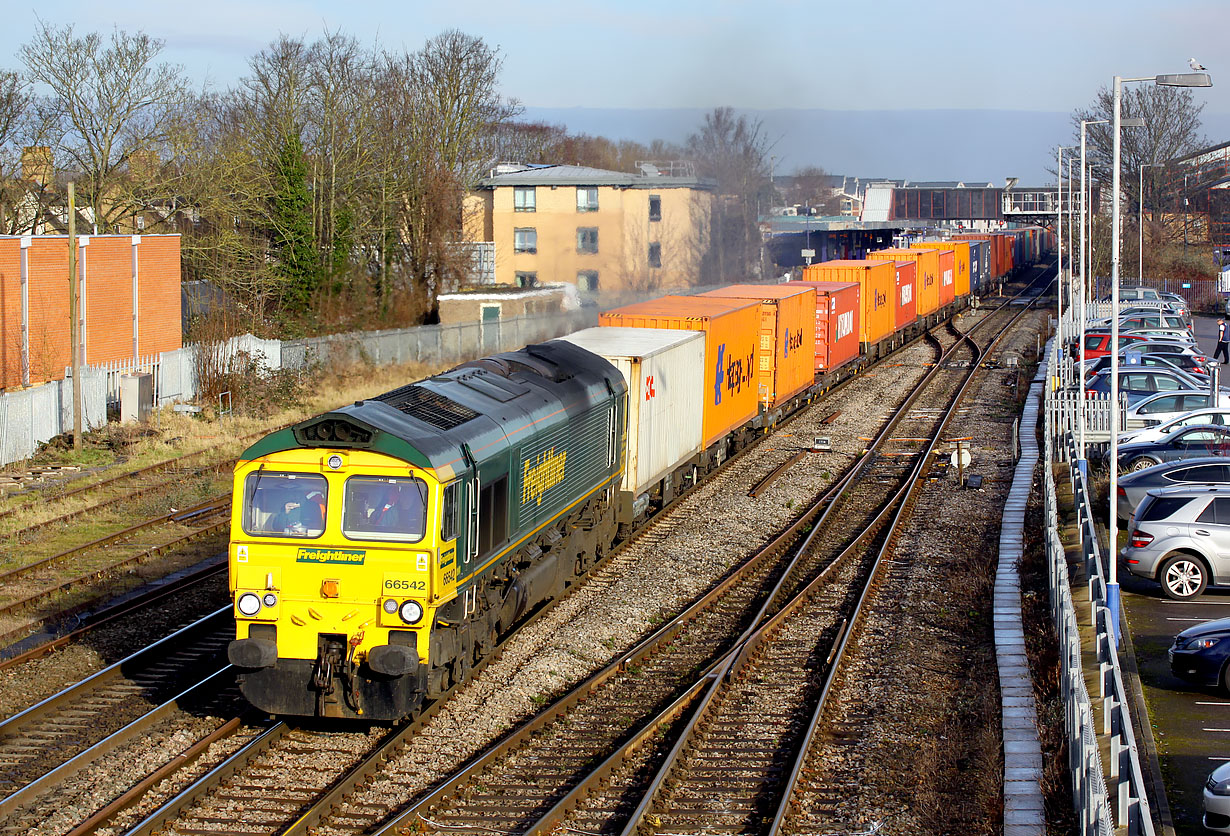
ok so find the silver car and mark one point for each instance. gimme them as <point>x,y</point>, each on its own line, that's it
<point>1180,537</point>
<point>1162,407</point>
<point>1217,800</point>
<point>1208,415</point>
<point>1209,470</point>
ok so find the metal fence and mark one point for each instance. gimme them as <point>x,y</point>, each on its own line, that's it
<point>32,416</point>
<point>1124,777</point>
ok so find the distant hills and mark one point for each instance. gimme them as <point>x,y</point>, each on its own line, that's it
<point>970,145</point>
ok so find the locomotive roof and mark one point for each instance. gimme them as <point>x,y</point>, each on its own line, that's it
<point>472,409</point>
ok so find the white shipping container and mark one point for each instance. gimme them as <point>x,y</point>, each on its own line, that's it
<point>665,373</point>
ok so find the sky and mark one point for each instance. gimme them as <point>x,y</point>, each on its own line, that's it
<point>1044,56</point>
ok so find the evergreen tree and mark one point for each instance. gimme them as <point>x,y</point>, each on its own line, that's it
<point>293,245</point>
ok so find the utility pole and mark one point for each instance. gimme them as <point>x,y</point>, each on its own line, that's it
<point>74,305</point>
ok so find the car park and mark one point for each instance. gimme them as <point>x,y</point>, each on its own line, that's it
<point>1147,319</point>
<point>1217,800</point>
<point>1132,487</point>
<point>1180,443</point>
<point>1165,406</point>
<point>1180,537</point>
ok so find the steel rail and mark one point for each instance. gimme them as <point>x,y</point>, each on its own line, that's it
<point>814,721</point>
<point>156,653</point>
<point>112,612</point>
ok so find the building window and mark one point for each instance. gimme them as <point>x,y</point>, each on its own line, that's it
<point>587,280</point>
<point>587,239</point>
<point>655,207</point>
<point>587,198</point>
<point>526,278</point>
<point>523,199</point>
<point>525,240</point>
<point>655,254</point>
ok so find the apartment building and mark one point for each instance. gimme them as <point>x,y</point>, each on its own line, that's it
<point>600,230</point>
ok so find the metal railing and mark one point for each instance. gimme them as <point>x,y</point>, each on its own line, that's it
<point>1095,788</point>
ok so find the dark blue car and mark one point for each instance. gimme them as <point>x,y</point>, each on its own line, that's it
<point>1199,654</point>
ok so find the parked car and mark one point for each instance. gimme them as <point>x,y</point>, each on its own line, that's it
<point>1178,335</point>
<point>1138,383</point>
<point>1217,786</point>
<point>1206,470</point>
<point>1180,537</point>
<point>1098,343</point>
<point>1158,361</point>
<point>1165,406</point>
<point>1199,655</point>
<point>1147,319</point>
<point>1207,415</point>
<point>1166,347</point>
<point>1180,443</point>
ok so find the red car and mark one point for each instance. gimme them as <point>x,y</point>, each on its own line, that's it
<point>1098,345</point>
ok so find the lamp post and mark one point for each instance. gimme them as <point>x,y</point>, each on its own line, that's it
<point>1083,463</point>
<point>1172,80</point>
<point>1140,225</point>
<point>1059,232</point>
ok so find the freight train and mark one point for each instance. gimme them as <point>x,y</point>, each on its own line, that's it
<point>379,551</point>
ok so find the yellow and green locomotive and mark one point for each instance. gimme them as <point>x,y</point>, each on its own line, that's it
<point>379,550</point>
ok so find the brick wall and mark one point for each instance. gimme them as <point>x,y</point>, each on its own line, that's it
<point>105,264</point>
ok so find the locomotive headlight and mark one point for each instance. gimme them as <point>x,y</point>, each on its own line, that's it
<point>411,611</point>
<point>249,604</point>
<point>270,599</point>
<point>390,606</point>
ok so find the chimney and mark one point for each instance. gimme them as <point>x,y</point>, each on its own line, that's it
<point>36,164</point>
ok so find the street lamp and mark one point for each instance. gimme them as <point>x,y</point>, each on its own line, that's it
<point>1140,225</point>
<point>1059,232</point>
<point>1082,462</point>
<point>1172,80</point>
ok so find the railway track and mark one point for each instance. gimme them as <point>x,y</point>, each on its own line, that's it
<point>662,666</point>
<point>69,731</point>
<point>50,587</point>
<point>332,748</point>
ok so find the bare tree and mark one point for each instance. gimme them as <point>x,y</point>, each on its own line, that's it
<point>1172,129</point>
<point>732,150</point>
<point>111,102</point>
<point>14,103</point>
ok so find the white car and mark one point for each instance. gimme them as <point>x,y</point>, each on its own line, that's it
<point>1217,800</point>
<point>1208,415</point>
<point>1164,406</point>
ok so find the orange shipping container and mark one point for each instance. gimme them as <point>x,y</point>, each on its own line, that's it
<point>877,284</point>
<point>785,361</point>
<point>995,249</point>
<point>730,327</point>
<point>926,280</point>
<point>961,267</point>
<point>905,311</point>
<point>837,318</point>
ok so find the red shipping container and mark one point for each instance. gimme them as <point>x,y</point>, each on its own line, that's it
<point>948,276</point>
<point>905,311</point>
<point>837,326</point>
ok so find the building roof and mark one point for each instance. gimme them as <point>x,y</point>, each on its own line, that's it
<point>580,175</point>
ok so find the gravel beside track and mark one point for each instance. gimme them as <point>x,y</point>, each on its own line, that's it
<point>916,687</point>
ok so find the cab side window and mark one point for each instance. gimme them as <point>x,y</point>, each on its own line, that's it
<point>451,512</point>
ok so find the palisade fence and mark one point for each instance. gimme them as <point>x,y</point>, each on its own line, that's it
<point>32,416</point>
<point>1126,795</point>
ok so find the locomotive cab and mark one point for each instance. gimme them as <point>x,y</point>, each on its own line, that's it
<point>339,560</point>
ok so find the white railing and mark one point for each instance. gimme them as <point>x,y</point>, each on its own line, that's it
<point>116,369</point>
<point>1097,791</point>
